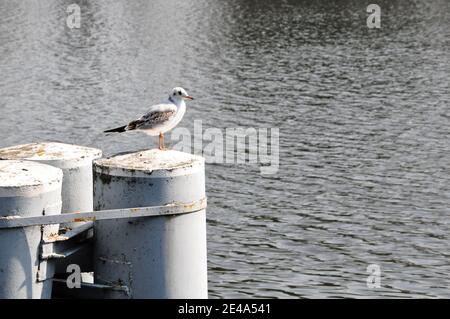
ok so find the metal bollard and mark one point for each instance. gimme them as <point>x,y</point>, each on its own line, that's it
<point>27,189</point>
<point>75,162</point>
<point>155,257</point>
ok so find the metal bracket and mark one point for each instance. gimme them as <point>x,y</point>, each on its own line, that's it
<point>170,209</point>
<point>56,246</point>
<point>62,246</point>
<point>90,291</point>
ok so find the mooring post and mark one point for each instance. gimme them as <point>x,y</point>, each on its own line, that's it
<point>27,189</point>
<point>155,257</point>
<point>77,185</point>
<point>76,164</point>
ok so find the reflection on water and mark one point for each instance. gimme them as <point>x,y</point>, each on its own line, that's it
<point>363,117</point>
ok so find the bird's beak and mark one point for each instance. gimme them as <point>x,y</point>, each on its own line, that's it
<point>188,97</point>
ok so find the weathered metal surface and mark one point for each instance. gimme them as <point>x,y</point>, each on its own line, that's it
<point>65,245</point>
<point>158,257</point>
<point>28,189</point>
<point>75,162</point>
<point>63,250</point>
<point>63,155</point>
<point>154,163</point>
<point>16,221</point>
<point>84,230</point>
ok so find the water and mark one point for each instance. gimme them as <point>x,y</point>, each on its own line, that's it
<point>363,118</point>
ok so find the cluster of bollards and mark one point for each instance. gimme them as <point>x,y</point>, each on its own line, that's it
<point>135,221</point>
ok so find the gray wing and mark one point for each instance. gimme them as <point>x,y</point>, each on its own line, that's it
<point>157,115</point>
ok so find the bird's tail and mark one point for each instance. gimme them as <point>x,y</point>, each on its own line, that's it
<point>116,130</point>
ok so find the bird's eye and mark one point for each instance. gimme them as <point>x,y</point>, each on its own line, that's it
<point>179,92</point>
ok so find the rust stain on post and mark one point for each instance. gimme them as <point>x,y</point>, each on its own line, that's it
<point>86,219</point>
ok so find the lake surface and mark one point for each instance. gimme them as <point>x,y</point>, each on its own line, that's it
<point>363,115</point>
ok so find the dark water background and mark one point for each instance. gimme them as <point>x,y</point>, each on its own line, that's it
<point>363,117</point>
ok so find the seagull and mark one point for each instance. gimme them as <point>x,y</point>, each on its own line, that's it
<point>161,118</point>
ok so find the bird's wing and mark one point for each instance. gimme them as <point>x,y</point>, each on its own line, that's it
<point>157,115</point>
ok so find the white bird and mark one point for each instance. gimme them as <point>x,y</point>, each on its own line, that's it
<point>161,118</point>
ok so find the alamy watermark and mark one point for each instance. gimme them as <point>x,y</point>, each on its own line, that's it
<point>73,20</point>
<point>374,19</point>
<point>242,146</point>
<point>74,279</point>
<point>374,279</point>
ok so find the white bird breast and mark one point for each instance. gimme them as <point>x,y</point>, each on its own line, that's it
<point>168,125</point>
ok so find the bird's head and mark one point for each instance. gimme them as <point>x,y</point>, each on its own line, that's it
<point>179,93</point>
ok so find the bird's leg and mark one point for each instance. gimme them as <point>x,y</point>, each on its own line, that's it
<point>161,142</point>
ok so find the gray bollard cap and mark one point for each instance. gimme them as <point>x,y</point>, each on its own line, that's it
<point>150,163</point>
<point>26,178</point>
<point>54,153</point>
